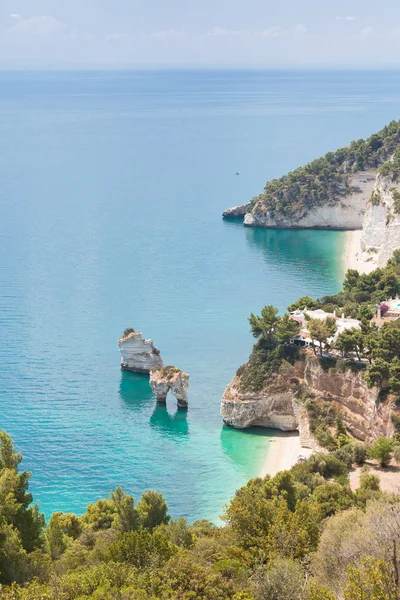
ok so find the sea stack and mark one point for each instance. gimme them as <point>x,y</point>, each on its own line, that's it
<point>137,354</point>
<point>170,378</point>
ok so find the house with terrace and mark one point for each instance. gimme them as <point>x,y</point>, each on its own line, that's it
<point>304,316</point>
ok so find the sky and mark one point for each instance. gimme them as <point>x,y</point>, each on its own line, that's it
<point>199,33</point>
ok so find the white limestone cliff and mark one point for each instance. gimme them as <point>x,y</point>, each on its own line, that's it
<point>381,227</point>
<point>236,211</point>
<point>344,213</point>
<point>170,379</point>
<point>137,354</point>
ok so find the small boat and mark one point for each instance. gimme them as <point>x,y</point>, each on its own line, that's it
<point>237,173</point>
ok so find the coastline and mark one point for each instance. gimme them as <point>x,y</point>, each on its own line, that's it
<point>283,453</point>
<point>284,447</point>
<point>352,253</point>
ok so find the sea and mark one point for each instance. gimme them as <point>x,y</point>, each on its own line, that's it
<point>112,188</point>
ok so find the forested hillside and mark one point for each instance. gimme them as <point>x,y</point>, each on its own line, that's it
<point>302,535</point>
<point>326,180</point>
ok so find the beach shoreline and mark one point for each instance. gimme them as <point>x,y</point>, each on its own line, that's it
<point>352,253</point>
<point>283,453</point>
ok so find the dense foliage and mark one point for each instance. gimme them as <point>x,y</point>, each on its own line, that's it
<point>302,534</point>
<point>325,180</point>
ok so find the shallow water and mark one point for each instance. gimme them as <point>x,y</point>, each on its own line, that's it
<point>112,189</point>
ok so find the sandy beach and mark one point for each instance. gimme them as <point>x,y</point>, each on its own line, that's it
<point>352,252</point>
<point>284,452</point>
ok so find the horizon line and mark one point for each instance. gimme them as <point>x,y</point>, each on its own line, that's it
<point>291,68</point>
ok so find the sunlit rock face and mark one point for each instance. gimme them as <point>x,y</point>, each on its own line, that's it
<point>381,226</point>
<point>138,355</point>
<point>170,379</point>
<point>276,410</point>
<point>344,213</point>
<point>277,404</point>
<point>236,211</point>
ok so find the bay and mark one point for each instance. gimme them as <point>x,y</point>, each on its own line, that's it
<point>112,189</point>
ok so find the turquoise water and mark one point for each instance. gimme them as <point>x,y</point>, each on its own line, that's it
<point>112,189</point>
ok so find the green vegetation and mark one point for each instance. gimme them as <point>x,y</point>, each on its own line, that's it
<point>375,199</point>
<point>321,330</point>
<point>358,299</point>
<point>327,179</point>
<point>272,350</point>
<point>127,332</point>
<point>272,328</point>
<point>168,372</point>
<point>382,450</point>
<point>391,167</point>
<point>396,200</point>
<point>265,363</point>
<point>303,534</point>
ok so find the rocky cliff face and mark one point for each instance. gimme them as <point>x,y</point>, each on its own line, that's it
<point>359,406</point>
<point>277,409</point>
<point>170,379</point>
<point>346,213</point>
<point>381,225</point>
<point>277,405</point>
<point>139,355</point>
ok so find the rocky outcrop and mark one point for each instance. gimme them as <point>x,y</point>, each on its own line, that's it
<point>236,212</point>
<point>170,379</point>
<point>137,354</point>
<point>359,406</point>
<point>381,226</point>
<point>347,212</point>
<point>278,406</point>
<point>275,409</point>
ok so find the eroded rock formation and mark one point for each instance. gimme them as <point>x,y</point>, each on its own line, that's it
<point>276,409</point>
<point>279,404</point>
<point>170,379</point>
<point>137,354</point>
<point>236,211</point>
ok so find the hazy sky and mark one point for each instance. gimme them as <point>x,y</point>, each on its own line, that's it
<point>190,33</point>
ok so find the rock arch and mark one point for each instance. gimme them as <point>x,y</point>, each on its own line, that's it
<point>170,379</point>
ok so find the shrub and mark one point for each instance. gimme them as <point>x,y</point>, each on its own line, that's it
<point>396,453</point>
<point>360,453</point>
<point>128,331</point>
<point>375,199</point>
<point>382,451</point>
<point>396,200</point>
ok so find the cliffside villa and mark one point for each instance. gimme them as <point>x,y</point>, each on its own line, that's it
<point>385,312</point>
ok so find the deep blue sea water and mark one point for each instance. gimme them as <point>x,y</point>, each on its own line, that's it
<point>112,189</point>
